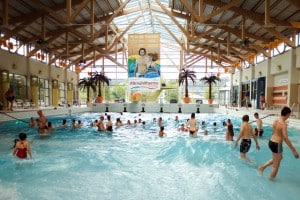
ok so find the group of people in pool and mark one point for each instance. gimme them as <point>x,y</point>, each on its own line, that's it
<point>44,126</point>
<point>21,148</point>
<point>279,134</point>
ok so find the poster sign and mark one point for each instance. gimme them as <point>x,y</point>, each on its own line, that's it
<point>144,54</point>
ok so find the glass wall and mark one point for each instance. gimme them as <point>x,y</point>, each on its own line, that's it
<point>62,93</point>
<point>43,92</point>
<point>18,84</point>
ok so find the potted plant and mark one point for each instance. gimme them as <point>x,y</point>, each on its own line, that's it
<point>100,78</point>
<point>87,83</point>
<point>210,81</point>
<point>184,75</point>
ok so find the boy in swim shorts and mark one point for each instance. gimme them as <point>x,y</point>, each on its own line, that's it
<point>245,132</point>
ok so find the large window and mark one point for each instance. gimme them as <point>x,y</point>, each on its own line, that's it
<point>43,93</point>
<point>62,93</point>
<point>18,84</point>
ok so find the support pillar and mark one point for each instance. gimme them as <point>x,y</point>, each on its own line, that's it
<point>34,89</point>
<point>70,92</point>
<point>4,80</point>
<point>55,92</point>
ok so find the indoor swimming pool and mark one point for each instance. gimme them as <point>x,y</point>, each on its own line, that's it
<point>132,162</point>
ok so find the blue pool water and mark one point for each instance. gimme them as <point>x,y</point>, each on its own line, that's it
<point>134,163</point>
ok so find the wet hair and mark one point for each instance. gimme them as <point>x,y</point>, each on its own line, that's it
<point>49,124</point>
<point>245,118</point>
<point>108,117</point>
<point>285,111</point>
<point>64,121</point>
<point>162,128</point>
<point>141,50</point>
<point>15,142</point>
<point>256,114</point>
<point>22,136</point>
<point>193,115</point>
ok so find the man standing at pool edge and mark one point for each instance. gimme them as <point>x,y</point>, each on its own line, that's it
<point>275,144</point>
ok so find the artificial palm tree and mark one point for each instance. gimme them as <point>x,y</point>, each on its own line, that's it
<point>100,78</point>
<point>210,81</point>
<point>87,83</point>
<point>184,75</point>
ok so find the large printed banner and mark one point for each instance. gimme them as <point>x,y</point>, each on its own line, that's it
<point>143,65</point>
<point>144,54</point>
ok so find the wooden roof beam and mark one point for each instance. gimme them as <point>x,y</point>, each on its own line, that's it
<point>216,12</point>
<point>267,11</point>
<point>173,19</point>
<point>118,38</point>
<point>39,13</point>
<point>51,12</point>
<point>37,48</point>
<point>5,12</point>
<point>259,19</point>
<point>108,21</point>
<point>170,32</point>
<point>17,29</point>
<point>82,5</point>
<point>92,20</point>
<point>108,57</point>
<point>61,55</point>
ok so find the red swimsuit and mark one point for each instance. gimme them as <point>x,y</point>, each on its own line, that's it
<point>22,152</point>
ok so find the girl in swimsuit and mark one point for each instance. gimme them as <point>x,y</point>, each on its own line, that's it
<point>22,147</point>
<point>229,131</point>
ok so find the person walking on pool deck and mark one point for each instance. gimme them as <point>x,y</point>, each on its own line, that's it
<point>245,133</point>
<point>279,135</point>
<point>22,147</point>
<point>10,97</point>
<point>262,101</point>
<point>247,101</point>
